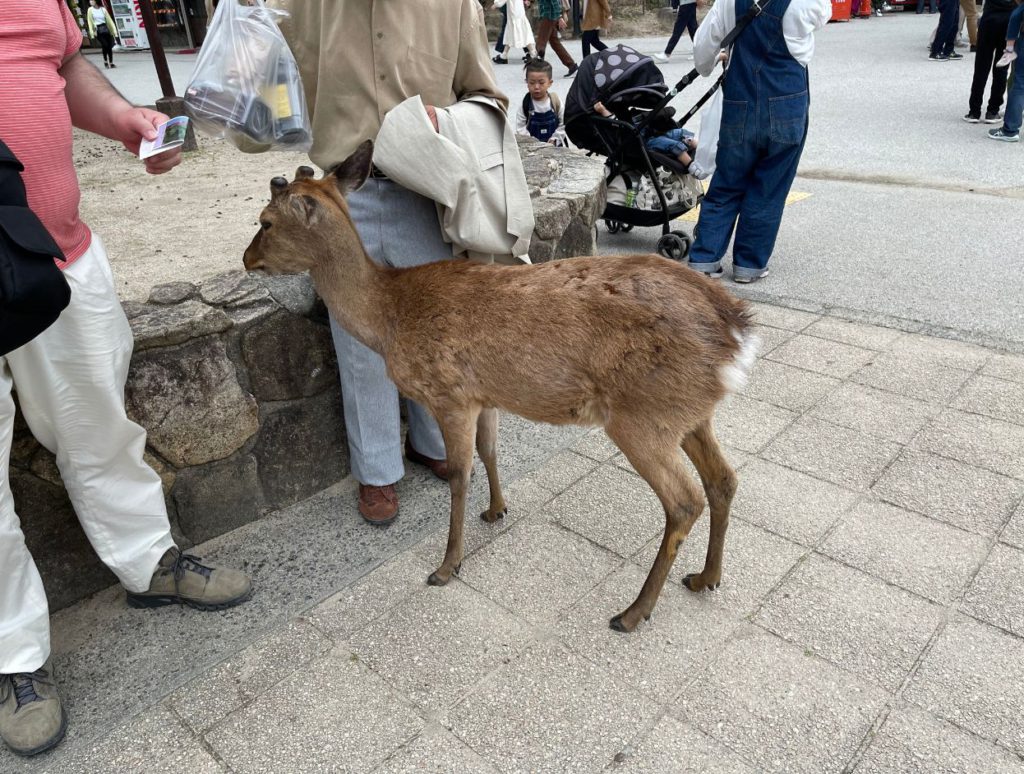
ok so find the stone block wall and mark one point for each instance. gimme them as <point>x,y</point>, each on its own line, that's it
<point>235,381</point>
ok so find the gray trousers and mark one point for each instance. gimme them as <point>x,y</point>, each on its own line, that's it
<point>399,228</point>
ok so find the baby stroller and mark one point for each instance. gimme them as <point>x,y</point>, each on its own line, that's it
<point>645,187</point>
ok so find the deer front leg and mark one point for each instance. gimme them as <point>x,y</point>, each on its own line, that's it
<point>487,448</point>
<point>457,427</point>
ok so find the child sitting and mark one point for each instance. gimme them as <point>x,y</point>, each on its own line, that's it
<point>678,143</point>
<point>540,115</point>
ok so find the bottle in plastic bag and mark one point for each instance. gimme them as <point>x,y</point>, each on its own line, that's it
<point>287,104</point>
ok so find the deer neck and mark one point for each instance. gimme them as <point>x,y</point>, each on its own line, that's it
<point>355,289</point>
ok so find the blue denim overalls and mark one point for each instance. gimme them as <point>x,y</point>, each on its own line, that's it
<point>764,125</point>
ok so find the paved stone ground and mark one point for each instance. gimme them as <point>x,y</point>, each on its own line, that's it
<point>870,618</point>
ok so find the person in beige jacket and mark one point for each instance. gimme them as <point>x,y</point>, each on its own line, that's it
<point>358,60</point>
<point>597,16</point>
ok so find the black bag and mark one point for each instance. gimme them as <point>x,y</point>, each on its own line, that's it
<point>33,291</point>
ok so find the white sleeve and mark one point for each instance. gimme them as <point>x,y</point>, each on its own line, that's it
<point>799,24</point>
<point>521,121</point>
<point>560,138</point>
<point>707,43</point>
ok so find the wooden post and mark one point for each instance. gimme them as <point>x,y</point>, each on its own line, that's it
<point>156,48</point>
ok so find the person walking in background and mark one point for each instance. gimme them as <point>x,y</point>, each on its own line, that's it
<point>552,15</point>
<point>945,34</point>
<point>499,46</point>
<point>518,33</point>
<point>101,28</point>
<point>992,32</point>
<point>686,19</point>
<point>597,15</point>
<point>970,13</point>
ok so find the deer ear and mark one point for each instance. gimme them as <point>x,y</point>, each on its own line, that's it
<point>350,174</point>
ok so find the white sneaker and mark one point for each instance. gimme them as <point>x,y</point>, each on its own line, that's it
<point>1006,58</point>
<point>661,57</point>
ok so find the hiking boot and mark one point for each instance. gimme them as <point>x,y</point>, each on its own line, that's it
<point>180,579</point>
<point>993,118</point>
<point>746,279</point>
<point>378,504</point>
<point>32,718</point>
<point>1002,134</point>
<point>971,118</point>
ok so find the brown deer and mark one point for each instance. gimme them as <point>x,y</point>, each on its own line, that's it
<point>640,345</point>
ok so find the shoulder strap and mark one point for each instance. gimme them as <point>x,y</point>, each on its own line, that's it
<point>556,102</point>
<point>527,105</point>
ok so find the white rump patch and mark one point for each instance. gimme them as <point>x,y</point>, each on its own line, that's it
<point>734,374</point>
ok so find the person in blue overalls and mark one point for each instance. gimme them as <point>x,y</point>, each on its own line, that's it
<point>764,125</point>
<point>541,115</point>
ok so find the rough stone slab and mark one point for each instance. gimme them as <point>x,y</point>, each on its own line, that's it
<point>974,677</point>
<point>916,376</point>
<point>172,293</point>
<point>913,742</point>
<point>164,326</point>
<point>996,398</point>
<point>882,414</point>
<point>782,317</point>
<point>289,357</point>
<point>976,440</point>
<point>559,713</point>
<point>611,508</point>
<point>468,635</point>
<point>837,454</point>
<point>954,354</point>
<point>435,751</point>
<point>852,333</point>
<point>233,289</point>
<point>909,550</point>
<point>1010,367</point>
<point>551,217</point>
<point>954,492</point>
<point>682,635</point>
<point>247,674</point>
<point>748,424</point>
<point>1013,534</point>
<point>789,503</point>
<point>996,594</point>
<point>781,708</point>
<point>218,497</point>
<point>753,562</point>
<point>830,358</point>
<point>856,622</point>
<point>278,732</point>
<point>682,748</point>
<point>597,445</point>
<point>786,386</point>
<point>295,292</point>
<point>537,570</point>
<point>771,338</point>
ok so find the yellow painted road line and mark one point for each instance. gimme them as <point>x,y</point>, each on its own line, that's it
<point>794,196</point>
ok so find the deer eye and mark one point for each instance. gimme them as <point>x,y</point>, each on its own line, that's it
<point>265,225</point>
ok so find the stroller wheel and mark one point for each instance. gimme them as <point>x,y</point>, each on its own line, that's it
<point>627,227</point>
<point>613,226</point>
<point>675,245</point>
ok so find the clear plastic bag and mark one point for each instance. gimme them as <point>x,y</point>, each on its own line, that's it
<point>245,85</point>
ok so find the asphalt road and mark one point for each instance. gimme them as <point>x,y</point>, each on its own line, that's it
<point>913,216</point>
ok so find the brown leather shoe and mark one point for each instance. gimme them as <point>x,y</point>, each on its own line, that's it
<point>378,504</point>
<point>438,467</point>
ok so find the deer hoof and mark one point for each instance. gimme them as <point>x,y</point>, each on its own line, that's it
<point>436,580</point>
<point>619,624</point>
<point>693,583</point>
<point>491,517</point>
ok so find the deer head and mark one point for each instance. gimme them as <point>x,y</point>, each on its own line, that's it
<point>302,222</point>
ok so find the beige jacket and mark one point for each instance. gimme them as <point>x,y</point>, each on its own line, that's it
<point>471,167</point>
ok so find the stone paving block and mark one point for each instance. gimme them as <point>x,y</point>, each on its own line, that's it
<point>837,454</point>
<point>856,334</point>
<point>996,595</point>
<point>374,595</point>
<point>597,445</point>
<point>749,425</point>
<point>435,751</point>
<point>557,712</point>
<point>882,414</point>
<point>153,742</point>
<point>662,653</point>
<point>563,470</point>
<point>782,317</point>
<point>976,440</point>
<point>245,675</point>
<point>974,677</point>
<point>913,742</point>
<point>786,386</point>
<point>536,570</point>
<point>856,622</point>
<point>954,354</point>
<point>734,457</point>
<point>771,338</point>
<point>965,496</point>
<point>996,398</point>
<point>612,508</point>
<point>1010,367</point>
<point>780,708</point>
<point>916,376</point>
<point>822,356</point>
<point>434,648</point>
<point>682,748</point>
<point>305,724</point>
<point>753,562</point>
<point>1013,534</point>
<point>789,503</point>
<point>911,551</point>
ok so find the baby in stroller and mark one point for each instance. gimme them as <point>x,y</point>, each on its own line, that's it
<point>678,141</point>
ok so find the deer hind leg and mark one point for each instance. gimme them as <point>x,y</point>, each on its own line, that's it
<point>656,457</point>
<point>719,481</point>
<point>487,448</point>
<point>457,427</point>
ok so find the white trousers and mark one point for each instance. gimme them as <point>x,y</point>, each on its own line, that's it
<point>70,384</point>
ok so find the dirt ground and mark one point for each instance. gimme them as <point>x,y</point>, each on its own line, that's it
<point>190,224</point>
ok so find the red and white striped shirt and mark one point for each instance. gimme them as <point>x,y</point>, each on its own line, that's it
<point>36,36</point>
